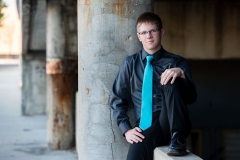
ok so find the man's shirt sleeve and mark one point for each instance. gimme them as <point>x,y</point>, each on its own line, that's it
<point>121,97</point>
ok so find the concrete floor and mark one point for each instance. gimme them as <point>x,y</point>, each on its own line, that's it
<point>22,137</point>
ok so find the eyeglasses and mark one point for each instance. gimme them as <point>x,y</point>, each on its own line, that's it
<point>152,32</point>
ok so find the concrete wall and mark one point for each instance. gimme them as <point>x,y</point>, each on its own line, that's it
<point>201,29</point>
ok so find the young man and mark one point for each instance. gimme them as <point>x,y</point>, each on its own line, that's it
<point>159,102</point>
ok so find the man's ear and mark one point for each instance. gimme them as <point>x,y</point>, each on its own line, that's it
<point>162,32</point>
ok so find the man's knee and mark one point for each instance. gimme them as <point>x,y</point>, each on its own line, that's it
<point>178,85</point>
<point>188,93</point>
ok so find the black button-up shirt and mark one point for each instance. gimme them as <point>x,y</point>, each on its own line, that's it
<point>127,88</point>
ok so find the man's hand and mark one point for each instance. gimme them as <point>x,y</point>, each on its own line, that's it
<point>134,135</point>
<point>171,73</point>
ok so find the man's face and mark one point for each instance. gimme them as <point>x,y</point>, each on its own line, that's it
<point>152,40</point>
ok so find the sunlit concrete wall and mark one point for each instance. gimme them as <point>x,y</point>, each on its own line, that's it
<point>10,32</point>
<point>201,29</point>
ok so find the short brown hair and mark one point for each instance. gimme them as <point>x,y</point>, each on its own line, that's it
<point>149,17</point>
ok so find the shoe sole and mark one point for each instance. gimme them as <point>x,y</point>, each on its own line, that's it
<point>177,153</point>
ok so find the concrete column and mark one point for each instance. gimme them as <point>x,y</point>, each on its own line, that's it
<point>33,57</point>
<point>61,71</point>
<point>106,35</point>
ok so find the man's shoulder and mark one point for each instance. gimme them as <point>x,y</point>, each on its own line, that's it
<point>133,57</point>
<point>170,55</point>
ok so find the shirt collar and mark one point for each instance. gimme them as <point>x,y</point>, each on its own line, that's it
<point>157,55</point>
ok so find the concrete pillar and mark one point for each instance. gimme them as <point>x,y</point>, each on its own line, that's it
<point>106,35</point>
<point>33,57</point>
<point>61,71</point>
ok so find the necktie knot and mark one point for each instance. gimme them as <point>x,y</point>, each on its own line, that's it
<point>149,58</point>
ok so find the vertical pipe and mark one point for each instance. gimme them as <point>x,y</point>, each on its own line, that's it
<point>106,35</point>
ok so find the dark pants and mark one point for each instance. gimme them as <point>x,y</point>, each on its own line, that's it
<point>173,117</point>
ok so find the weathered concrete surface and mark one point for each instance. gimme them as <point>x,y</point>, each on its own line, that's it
<point>106,36</point>
<point>33,89</point>
<point>22,137</point>
<point>160,153</point>
<point>61,72</point>
<point>61,97</point>
<point>201,29</point>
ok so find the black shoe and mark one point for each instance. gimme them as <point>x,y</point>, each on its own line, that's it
<point>177,146</point>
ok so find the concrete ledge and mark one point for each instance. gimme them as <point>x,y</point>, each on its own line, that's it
<point>160,153</point>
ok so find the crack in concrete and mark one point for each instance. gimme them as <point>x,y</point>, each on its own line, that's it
<point>111,128</point>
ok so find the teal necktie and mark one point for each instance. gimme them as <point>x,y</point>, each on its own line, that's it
<point>146,112</point>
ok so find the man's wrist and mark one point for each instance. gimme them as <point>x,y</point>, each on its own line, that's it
<point>126,132</point>
<point>183,75</point>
